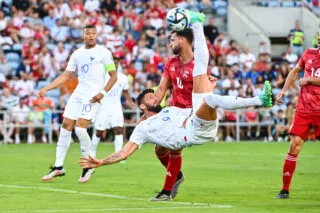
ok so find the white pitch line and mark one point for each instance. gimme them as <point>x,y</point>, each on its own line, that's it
<point>209,205</point>
<point>109,209</point>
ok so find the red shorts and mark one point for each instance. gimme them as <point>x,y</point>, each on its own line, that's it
<point>302,123</point>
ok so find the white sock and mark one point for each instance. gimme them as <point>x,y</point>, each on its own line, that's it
<point>94,145</point>
<point>201,53</point>
<point>118,142</point>
<point>85,141</point>
<point>231,102</point>
<point>62,146</point>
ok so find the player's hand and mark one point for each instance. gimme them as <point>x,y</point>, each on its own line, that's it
<point>41,93</point>
<point>213,81</point>
<point>304,82</point>
<point>97,98</point>
<point>280,96</point>
<point>90,162</point>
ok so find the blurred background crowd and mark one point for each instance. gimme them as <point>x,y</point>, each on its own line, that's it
<point>38,37</point>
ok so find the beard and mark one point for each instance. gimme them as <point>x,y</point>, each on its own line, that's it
<point>176,51</point>
<point>156,108</point>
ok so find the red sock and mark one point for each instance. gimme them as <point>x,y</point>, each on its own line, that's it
<point>164,159</point>
<point>288,169</point>
<point>173,169</point>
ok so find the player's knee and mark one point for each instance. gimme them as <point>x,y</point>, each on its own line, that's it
<point>68,124</point>
<point>160,151</point>
<point>295,145</point>
<point>99,133</point>
<point>117,130</point>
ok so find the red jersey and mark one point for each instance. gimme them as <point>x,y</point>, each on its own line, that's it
<point>309,98</point>
<point>180,76</point>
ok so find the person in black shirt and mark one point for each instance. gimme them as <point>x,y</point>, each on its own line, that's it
<point>211,31</point>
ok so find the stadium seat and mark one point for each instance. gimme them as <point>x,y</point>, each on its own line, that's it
<point>14,65</point>
<point>219,3</point>
<point>221,11</point>
<point>288,4</point>
<point>273,4</point>
<point>42,84</point>
<point>13,57</point>
<point>17,47</point>
<point>68,46</point>
<point>51,46</point>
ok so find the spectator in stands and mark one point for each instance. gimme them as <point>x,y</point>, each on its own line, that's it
<point>62,9</point>
<point>24,87</point>
<point>247,58</point>
<point>92,5</point>
<point>12,31</point>
<point>269,74</point>
<point>5,68</point>
<point>291,57</point>
<point>253,74</point>
<point>9,100</point>
<point>50,20</point>
<point>233,57</point>
<point>20,115</point>
<point>281,127</point>
<point>296,38</point>
<point>282,75</point>
<point>36,117</point>
<point>251,115</point>
<point>60,54</point>
<point>211,31</point>
<point>3,22</point>
<point>60,32</point>
<point>230,79</point>
<point>27,32</point>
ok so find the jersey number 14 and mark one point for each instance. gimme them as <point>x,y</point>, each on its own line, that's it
<point>315,73</point>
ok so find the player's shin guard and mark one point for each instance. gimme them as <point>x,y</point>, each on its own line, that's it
<point>118,142</point>
<point>201,53</point>
<point>288,169</point>
<point>173,169</point>
<point>94,145</point>
<point>231,102</point>
<point>62,146</point>
<point>85,141</point>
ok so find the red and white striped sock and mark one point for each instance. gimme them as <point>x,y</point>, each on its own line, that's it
<point>288,169</point>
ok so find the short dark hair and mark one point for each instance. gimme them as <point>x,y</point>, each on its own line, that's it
<point>186,33</point>
<point>141,95</point>
<point>89,26</point>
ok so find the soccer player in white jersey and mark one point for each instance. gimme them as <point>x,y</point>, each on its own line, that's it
<point>110,114</point>
<point>93,62</point>
<point>172,127</point>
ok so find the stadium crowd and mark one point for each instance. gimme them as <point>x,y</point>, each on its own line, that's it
<point>38,37</point>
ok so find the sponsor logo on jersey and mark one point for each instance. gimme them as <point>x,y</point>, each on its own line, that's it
<point>172,69</point>
<point>310,61</point>
<point>185,74</point>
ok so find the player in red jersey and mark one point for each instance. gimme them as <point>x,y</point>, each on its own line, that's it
<point>307,111</point>
<point>178,73</point>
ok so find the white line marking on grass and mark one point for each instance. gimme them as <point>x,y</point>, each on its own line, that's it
<point>109,209</point>
<point>208,205</point>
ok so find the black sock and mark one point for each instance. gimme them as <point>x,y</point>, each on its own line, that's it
<point>165,192</point>
<point>58,167</point>
<point>179,175</point>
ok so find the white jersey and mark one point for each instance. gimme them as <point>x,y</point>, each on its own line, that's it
<point>113,97</point>
<point>164,129</point>
<point>92,65</point>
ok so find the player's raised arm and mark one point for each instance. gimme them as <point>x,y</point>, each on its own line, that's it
<point>292,77</point>
<point>66,75</point>
<point>115,157</point>
<point>160,92</point>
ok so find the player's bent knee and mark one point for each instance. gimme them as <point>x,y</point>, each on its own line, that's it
<point>160,151</point>
<point>68,124</point>
<point>117,130</point>
<point>99,133</point>
<point>295,144</point>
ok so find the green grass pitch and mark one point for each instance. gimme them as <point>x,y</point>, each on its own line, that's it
<point>222,177</point>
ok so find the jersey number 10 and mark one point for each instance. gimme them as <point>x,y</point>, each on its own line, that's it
<point>315,73</point>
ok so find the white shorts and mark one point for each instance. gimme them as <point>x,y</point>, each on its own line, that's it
<point>199,131</point>
<point>80,107</point>
<point>109,118</point>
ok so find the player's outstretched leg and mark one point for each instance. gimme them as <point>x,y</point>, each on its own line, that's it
<point>232,102</point>
<point>61,151</point>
